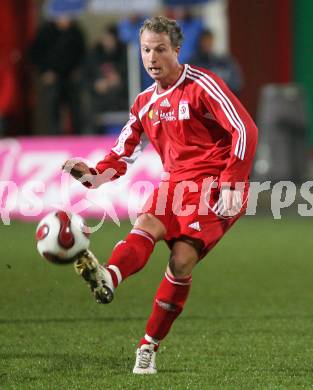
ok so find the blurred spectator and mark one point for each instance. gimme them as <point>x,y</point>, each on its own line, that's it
<point>106,73</point>
<point>58,51</point>
<point>224,66</point>
<point>128,32</point>
<point>128,28</point>
<point>192,28</point>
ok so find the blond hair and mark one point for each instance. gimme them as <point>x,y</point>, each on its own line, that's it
<point>162,24</point>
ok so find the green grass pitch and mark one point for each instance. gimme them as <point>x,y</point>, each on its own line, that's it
<point>248,323</point>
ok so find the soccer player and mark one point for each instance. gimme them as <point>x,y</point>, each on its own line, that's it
<point>206,141</point>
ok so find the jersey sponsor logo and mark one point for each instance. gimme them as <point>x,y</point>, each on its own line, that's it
<point>168,116</point>
<point>195,226</point>
<point>153,115</point>
<point>183,111</point>
<point>165,103</point>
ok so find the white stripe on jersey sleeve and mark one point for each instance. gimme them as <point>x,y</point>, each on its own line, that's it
<point>214,90</point>
<point>126,132</point>
<point>146,107</point>
<point>231,108</point>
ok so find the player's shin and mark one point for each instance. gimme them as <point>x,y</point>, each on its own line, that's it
<point>130,255</point>
<point>168,304</point>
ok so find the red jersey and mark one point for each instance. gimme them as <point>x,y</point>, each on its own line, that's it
<point>197,126</point>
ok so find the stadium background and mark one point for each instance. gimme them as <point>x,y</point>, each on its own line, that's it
<point>248,323</point>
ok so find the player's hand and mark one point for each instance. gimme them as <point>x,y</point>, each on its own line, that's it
<point>76,168</point>
<point>232,201</point>
<point>91,177</point>
<point>81,172</point>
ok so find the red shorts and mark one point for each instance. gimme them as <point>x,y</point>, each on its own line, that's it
<point>190,211</point>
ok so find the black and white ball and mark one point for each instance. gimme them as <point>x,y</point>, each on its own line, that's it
<point>61,236</point>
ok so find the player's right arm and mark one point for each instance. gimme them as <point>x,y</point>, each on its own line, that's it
<point>114,165</point>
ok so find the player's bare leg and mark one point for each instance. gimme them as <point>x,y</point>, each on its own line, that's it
<point>128,257</point>
<point>183,258</point>
<point>169,301</point>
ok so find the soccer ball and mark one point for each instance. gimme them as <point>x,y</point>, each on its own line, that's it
<point>61,236</point>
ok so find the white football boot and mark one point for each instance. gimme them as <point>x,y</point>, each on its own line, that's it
<point>145,360</point>
<point>96,275</point>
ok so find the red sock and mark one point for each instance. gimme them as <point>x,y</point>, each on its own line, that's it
<point>130,255</point>
<point>168,304</point>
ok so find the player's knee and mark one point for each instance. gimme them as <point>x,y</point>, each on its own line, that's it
<point>183,258</point>
<point>151,224</point>
<point>180,265</point>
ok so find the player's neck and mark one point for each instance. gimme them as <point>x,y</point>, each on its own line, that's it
<point>163,85</point>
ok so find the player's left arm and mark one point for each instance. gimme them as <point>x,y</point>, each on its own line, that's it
<point>126,150</point>
<point>236,173</point>
<point>233,117</point>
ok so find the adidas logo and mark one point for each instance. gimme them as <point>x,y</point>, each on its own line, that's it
<point>195,226</point>
<point>165,103</point>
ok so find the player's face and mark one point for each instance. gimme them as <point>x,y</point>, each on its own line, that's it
<point>159,57</point>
